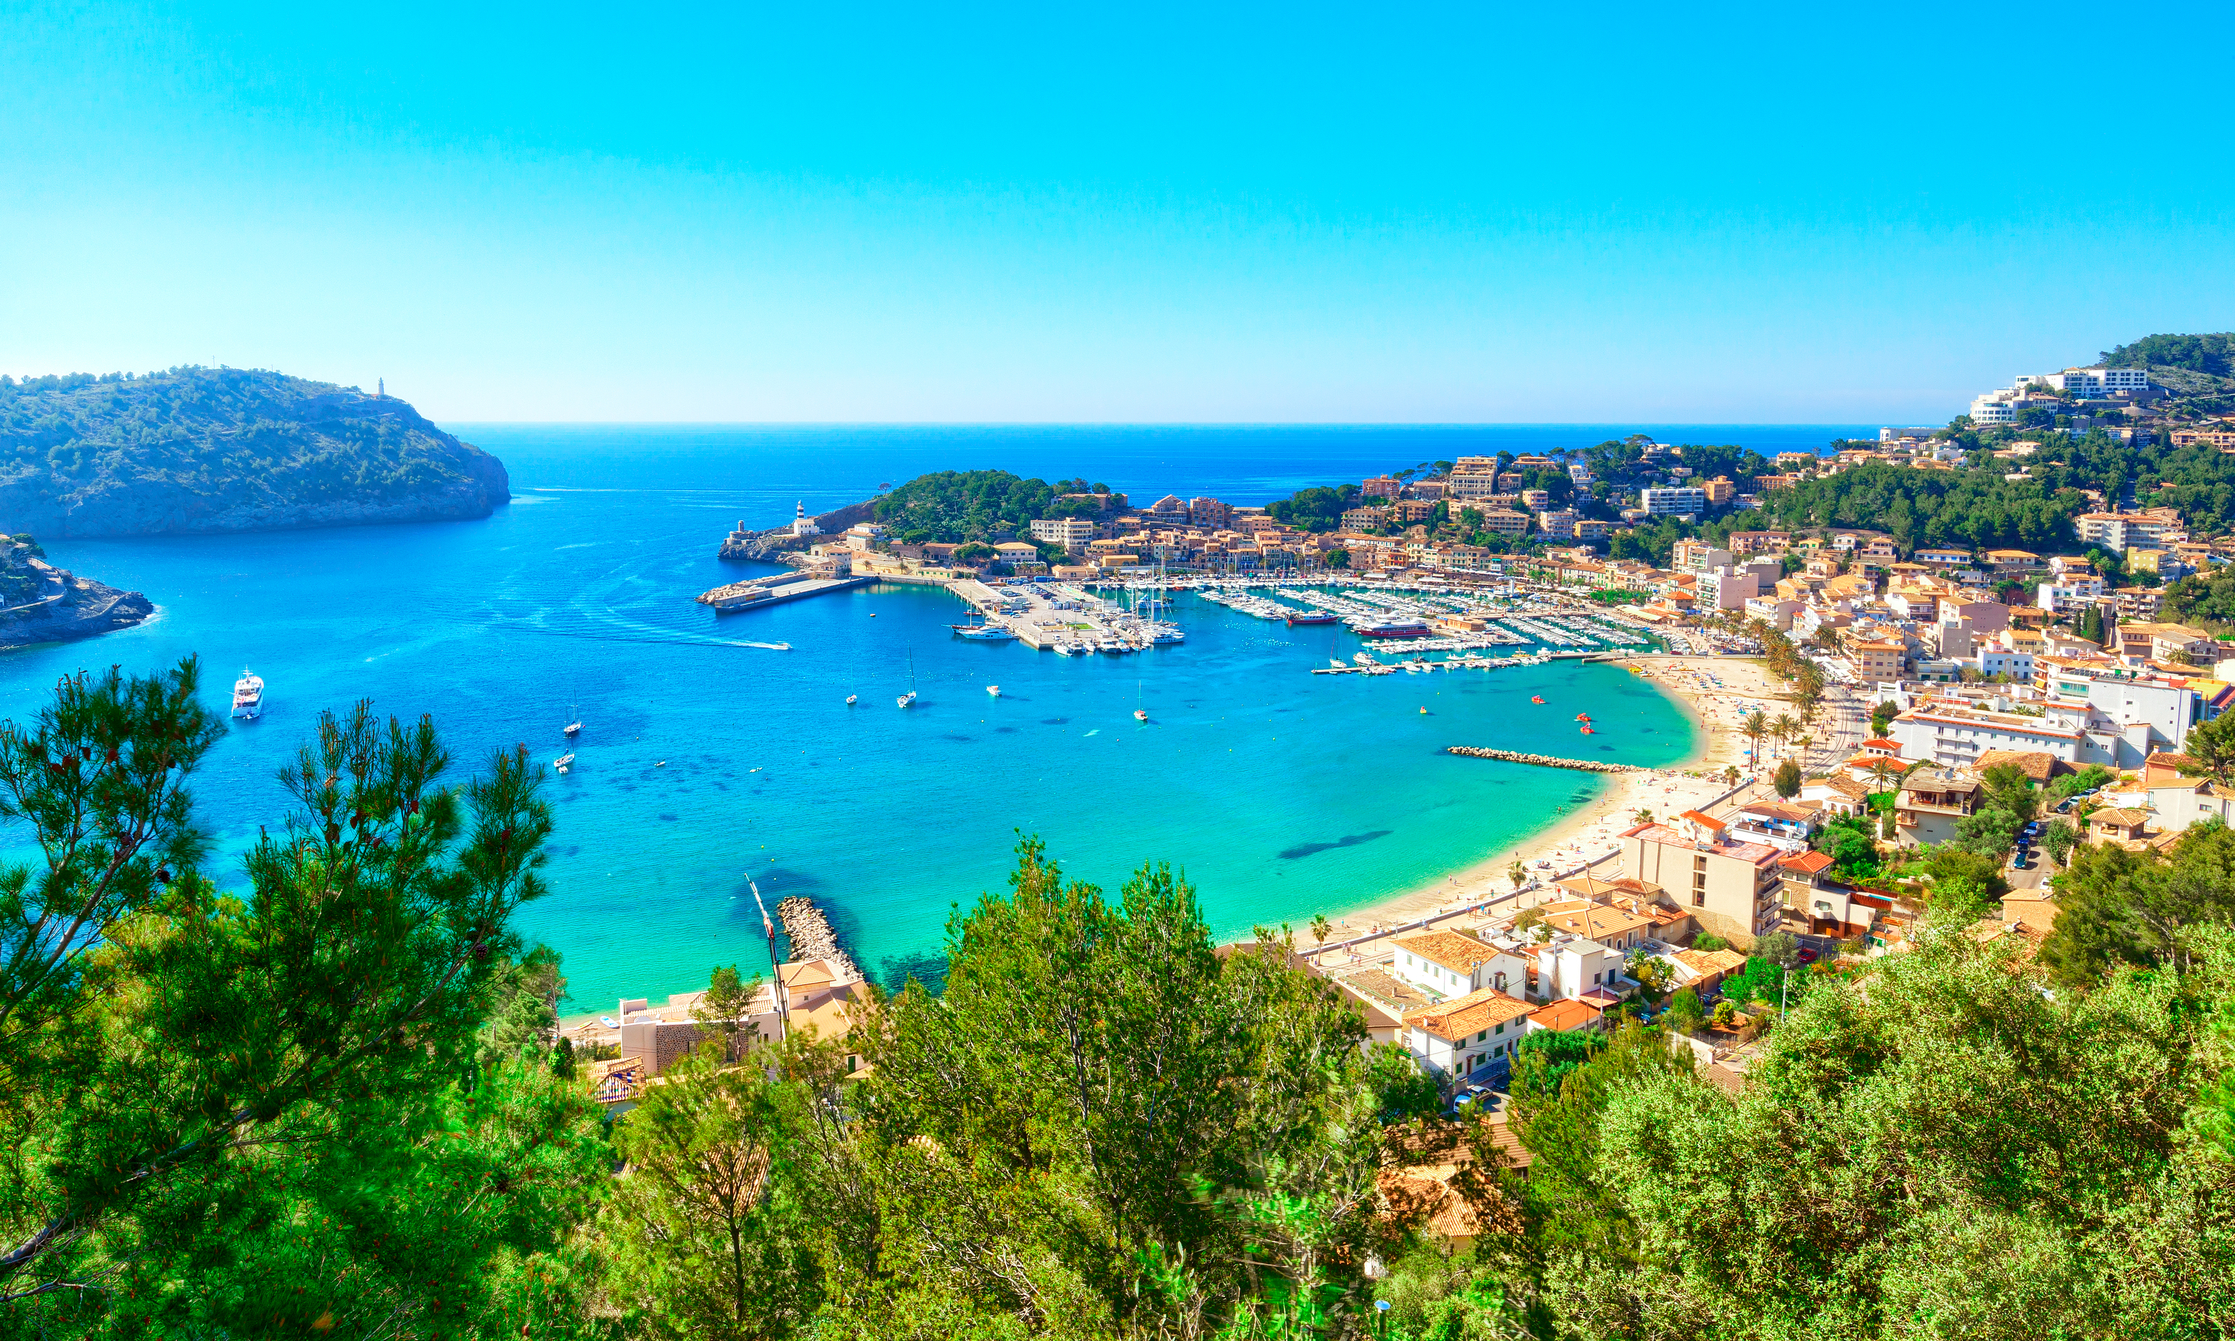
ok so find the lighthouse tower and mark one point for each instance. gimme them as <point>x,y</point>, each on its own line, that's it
<point>802,524</point>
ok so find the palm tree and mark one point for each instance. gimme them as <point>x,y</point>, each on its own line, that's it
<point>1518,874</point>
<point>1644,815</point>
<point>1321,928</point>
<point>1755,726</point>
<point>1784,728</point>
<point>1806,742</point>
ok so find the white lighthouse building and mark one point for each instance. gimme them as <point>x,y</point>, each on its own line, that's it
<point>802,524</point>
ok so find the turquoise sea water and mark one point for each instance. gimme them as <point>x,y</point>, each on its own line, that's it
<point>1280,793</point>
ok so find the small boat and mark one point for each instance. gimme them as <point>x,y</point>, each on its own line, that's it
<point>1424,710</point>
<point>1336,662</point>
<point>248,696</point>
<point>850,699</point>
<point>993,691</point>
<point>1140,714</point>
<point>574,728</point>
<point>908,699</point>
<point>1589,732</point>
<point>1536,698</point>
<point>609,1022</point>
<point>564,762</point>
<point>1583,717</point>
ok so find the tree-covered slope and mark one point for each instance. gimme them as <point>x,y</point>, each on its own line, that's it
<point>225,449</point>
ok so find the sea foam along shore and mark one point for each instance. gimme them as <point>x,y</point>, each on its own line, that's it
<point>1713,691</point>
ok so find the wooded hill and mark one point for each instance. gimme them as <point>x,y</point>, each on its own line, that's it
<point>225,449</point>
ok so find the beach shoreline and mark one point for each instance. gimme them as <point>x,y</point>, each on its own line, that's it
<point>1712,692</point>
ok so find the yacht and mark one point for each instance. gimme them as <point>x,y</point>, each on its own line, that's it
<point>1140,714</point>
<point>1311,617</point>
<point>248,695</point>
<point>1395,628</point>
<point>908,699</point>
<point>564,762</point>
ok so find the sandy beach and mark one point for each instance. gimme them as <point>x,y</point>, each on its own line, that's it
<point>1716,692</point>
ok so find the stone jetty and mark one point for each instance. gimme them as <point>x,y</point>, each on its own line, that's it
<point>1544,760</point>
<point>811,937</point>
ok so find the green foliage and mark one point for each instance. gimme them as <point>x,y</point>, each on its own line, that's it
<point>1848,840</point>
<point>321,1097</point>
<point>2085,780</point>
<point>1684,1013</point>
<point>2212,745</point>
<point>1787,779</point>
<point>1708,940</point>
<point>2117,907</point>
<point>1545,1058</point>
<point>964,506</point>
<point>1404,1090</point>
<point>2065,1202</point>
<point>2213,354</point>
<point>2058,840</point>
<point>1566,1200</point>
<point>2006,787</point>
<point>1882,716</point>
<point>1952,861</point>
<point>212,438</point>
<point>1318,510</point>
<point>1989,833</point>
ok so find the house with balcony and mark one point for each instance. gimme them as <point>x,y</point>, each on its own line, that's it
<point>1728,885</point>
<point>1452,1038</point>
<point>1931,803</point>
<point>1780,824</point>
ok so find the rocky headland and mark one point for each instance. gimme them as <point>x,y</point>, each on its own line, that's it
<point>40,603</point>
<point>198,450</point>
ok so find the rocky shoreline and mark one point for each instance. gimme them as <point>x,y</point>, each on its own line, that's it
<point>70,608</point>
<point>771,545</point>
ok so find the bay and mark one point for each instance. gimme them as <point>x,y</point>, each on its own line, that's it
<point>706,759</point>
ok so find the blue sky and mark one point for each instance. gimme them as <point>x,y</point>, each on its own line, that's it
<point>1137,213</point>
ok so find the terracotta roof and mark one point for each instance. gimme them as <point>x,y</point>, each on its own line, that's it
<point>2039,765</point>
<point>1706,821</point>
<point>1464,1015</point>
<point>1808,863</point>
<point>1883,744</point>
<point>1566,1015</point>
<point>1705,963</point>
<point>1449,948</point>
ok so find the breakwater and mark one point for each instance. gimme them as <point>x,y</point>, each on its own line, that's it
<point>811,937</point>
<point>1543,760</point>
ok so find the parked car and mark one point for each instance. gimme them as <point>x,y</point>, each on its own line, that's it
<point>1807,955</point>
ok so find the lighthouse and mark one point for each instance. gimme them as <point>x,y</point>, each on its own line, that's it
<point>802,524</point>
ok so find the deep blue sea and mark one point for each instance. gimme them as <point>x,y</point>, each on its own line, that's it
<point>1279,793</point>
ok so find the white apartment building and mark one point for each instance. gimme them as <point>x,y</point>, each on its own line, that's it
<point>2115,531</point>
<point>2070,593</point>
<point>1987,411</point>
<point>1957,736</point>
<point>1472,486</point>
<point>1557,525</point>
<point>2002,661</point>
<point>1673,501</point>
<point>1568,966</point>
<point>2087,382</point>
<point>1069,532</point>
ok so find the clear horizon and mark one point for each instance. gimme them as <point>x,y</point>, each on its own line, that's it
<point>1273,216</point>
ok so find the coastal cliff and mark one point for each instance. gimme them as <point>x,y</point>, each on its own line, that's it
<point>199,450</point>
<point>40,603</point>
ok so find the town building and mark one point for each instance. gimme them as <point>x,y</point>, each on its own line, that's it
<point>1453,1038</point>
<point>1727,885</point>
<point>1673,501</point>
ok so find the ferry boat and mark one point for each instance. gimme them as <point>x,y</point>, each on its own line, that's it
<point>1395,628</point>
<point>248,695</point>
<point>1311,617</point>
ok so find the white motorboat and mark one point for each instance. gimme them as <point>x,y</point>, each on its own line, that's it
<point>850,699</point>
<point>248,696</point>
<point>993,691</point>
